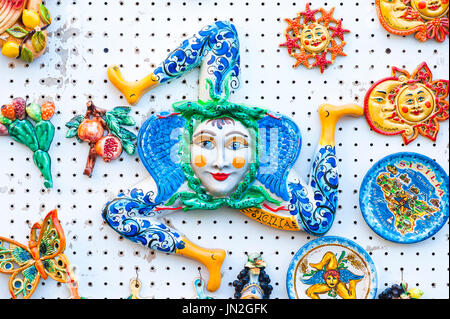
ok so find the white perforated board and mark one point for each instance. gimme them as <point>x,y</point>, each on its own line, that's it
<point>87,36</point>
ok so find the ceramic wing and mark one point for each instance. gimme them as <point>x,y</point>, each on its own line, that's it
<point>158,146</point>
<point>280,144</point>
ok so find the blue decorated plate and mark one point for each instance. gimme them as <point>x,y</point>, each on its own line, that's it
<point>404,198</point>
<point>332,268</point>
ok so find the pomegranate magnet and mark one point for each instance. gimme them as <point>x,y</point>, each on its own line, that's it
<point>105,133</point>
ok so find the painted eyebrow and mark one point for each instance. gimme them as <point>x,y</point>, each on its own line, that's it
<point>420,92</point>
<point>382,92</point>
<point>409,94</point>
<point>308,31</point>
<point>236,132</point>
<point>205,132</point>
<point>317,29</point>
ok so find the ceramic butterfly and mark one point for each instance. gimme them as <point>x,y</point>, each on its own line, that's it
<point>42,258</point>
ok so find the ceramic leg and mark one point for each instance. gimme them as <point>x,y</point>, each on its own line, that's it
<point>215,48</point>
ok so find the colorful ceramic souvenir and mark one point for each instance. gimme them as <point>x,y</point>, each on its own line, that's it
<point>401,292</point>
<point>331,268</point>
<point>42,258</point>
<point>253,281</point>
<point>404,197</point>
<point>428,19</point>
<point>312,41</point>
<point>38,138</point>
<point>104,132</point>
<point>408,104</point>
<point>214,153</point>
<point>135,289</point>
<point>199,288</point>
<point>23,25</point>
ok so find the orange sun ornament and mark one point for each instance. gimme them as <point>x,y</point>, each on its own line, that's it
<point>315,38</point>
<point>408,104</point>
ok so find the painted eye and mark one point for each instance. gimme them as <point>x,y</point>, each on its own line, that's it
<point>410,101</point>
<point>309,36</point>
<point>207,145</point>
<point>379,99</point>
<point>319,34</point>
<point>421,99</point>
<point>235,146</point>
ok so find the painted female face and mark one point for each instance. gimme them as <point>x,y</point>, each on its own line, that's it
<point>395,13</point>
<point>415,103</point>
<point>221,151</point>
<point>331,281</point>
<point>315,38</point>
<point>430,9</point>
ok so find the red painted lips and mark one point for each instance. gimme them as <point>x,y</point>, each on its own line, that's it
<point>220,176</point>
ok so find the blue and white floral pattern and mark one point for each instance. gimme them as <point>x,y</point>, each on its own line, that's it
<point>217,47</point>
<point>134,218</point>
<point>316,205</point>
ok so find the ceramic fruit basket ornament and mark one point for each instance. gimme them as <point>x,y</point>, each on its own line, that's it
<point>253,281</point>
<point>404,198</point>
<point>315,41</point>
<point>105,133</point>
<point>427,19</point>
<point>401,292</point>
<point>23,25</point>
<point>15,122</point>
<point>408,104</point>
<point>213,153</point>
<point>42,258</point>
<point>332,268</point>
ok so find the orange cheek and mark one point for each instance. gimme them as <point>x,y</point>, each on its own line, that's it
<point>200,161</point>
<point>239,162</point>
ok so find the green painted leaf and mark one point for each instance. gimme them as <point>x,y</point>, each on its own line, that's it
<point>45,14</point>
<point>17,32</point>
<point>129,147</point>
<point>72,133</point>
<point>121,111</point>
<point>124,134</point>
<point>75,122</point>
<point>128,121</point>
<point>39,41</point>
<point>112,122</point>
<point>26,55</point>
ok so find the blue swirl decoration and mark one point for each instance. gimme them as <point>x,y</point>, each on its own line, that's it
<point>317,216</point>
<point>134,218</point>
<point>219,43</point>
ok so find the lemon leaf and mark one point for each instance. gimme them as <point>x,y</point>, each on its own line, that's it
<point>45,14</point>
<point>17,32</point>
<point>38,40</point>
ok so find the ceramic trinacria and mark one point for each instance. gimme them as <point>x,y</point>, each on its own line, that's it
<point>408,104</point>
<point>23,29</point>
<point>213,153</point>
<point>105,133</point>
<point>253,281</point>
<point>404,198</point>
<point>15,122</point>
<point>42,258</point>
<point>332,268</point>
<point>312,40</point>
<point>427,19</point>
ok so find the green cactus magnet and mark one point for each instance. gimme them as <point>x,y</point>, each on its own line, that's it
<point>16,120</point>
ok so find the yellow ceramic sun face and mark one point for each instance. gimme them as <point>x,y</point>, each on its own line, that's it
<point>415,103</point>
<point>394,13</point>
<point>315,38</point>
<point>431,9</point>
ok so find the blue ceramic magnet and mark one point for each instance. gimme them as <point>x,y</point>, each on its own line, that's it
<point>331,268</point>
<point>404,198</point>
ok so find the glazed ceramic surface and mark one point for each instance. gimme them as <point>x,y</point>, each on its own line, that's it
<point>408,104</point>
<point>332,268</point>
<point>404,198</point>
<point>315,36</point>
<point>427,19</point>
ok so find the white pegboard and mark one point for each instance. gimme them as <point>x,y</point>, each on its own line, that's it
<point>88,36</point>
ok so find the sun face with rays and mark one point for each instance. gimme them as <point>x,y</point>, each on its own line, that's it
<point>315,41</point>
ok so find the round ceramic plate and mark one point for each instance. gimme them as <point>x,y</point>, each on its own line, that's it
<point>404,198</point>
<point>332,268</point>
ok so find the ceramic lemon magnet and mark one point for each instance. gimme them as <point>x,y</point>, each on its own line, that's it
<point>404,198</point>
<point>312,40</point>
<point>331,268</point>
<point>408,104</point>
<point>16,120</point>
<point>428,19</point>
<point>105,133</point>
<point>23,25</point>
<point>42,258</point>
